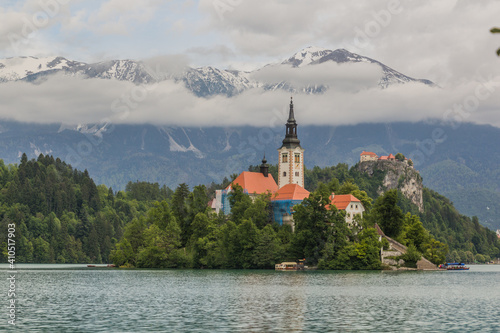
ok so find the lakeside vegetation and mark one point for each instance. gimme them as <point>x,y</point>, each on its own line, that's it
<point>62,216</point>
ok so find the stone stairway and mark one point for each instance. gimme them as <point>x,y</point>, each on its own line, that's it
<point>423,264</point>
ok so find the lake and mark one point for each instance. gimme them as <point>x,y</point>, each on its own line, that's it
<point>74,298</point>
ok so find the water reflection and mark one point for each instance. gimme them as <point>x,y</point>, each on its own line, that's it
<point>256,301</point>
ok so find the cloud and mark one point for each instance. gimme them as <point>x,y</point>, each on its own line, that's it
<point>73,100</point>
<point>443,41</point>
<point>162,66</point>
<point>112,17</point>
<point>345,77</point>
<point>23,24</point>
<point>446,41</point>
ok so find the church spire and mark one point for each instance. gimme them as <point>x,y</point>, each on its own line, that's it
<point>291,140</point>
<point>291,116</point>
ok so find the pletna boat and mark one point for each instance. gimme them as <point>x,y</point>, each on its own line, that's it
<point>454,266</point>
<point>290,266</point>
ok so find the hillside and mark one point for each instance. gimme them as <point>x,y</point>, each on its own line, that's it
<point>62,216</point>
<point>464,235</point>
<point>464,167</point>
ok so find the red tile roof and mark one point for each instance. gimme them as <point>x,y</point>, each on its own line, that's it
<point>383,157</point>
<point>291,192</point>
<point>369,153</point>
<point>342,201</point>
<point>391,157</point>
<point>255,182</point>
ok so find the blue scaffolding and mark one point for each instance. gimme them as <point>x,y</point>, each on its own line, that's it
<point>283,208</point>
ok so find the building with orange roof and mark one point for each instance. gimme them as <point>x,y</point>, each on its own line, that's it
<point>387,158</point>
<point>253,183</point>
<point>348,203</point>
<point>284,200</point>
<point>291,192</point>
<point>368,156</point>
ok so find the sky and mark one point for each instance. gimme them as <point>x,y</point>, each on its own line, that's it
<point>445,41</point>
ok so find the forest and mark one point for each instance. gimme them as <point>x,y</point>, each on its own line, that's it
<point>62,216</point>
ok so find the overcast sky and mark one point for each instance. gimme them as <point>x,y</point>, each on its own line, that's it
<point>446,41</point>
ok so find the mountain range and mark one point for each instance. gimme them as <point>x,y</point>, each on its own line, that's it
<point>203,81</point>
<point>463,165</point>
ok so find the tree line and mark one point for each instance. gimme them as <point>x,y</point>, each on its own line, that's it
<point>62,216</point>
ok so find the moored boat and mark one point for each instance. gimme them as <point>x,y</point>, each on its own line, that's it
<point>454,266</point>
<point>290,266</point>
<point>97,266</point>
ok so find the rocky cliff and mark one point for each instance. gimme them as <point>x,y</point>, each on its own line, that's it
<point>398,175</point>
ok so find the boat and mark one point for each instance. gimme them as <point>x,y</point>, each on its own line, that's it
<point>96,266</point>
<point>454,266</point>
<point>290,266</point>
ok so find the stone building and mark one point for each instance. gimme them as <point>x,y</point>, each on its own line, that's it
<point>368,156</point>
<point>350,204</point>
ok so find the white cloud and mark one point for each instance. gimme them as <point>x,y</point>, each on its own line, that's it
<point>74,100</point>
<point>446,41</point>
<point>346,77</point>
<point>438,40</point>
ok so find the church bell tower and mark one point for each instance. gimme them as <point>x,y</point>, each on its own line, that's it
<point>291,155</point>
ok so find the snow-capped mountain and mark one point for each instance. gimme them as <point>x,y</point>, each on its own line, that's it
<point>203,81</point>
<point>307,56</point>
<point>14,69</point>
<point>208,81</point>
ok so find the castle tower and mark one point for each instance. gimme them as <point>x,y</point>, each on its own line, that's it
<point>291,155</point>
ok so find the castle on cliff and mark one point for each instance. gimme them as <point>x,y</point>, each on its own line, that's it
<point>366,156</point>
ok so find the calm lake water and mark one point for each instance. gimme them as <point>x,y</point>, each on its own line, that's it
<point>73,298</point>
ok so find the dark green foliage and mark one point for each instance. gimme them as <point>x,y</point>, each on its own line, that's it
<point>312,220</point>
<point>442,221</point>
<point>459,232</point>
<point>144,191</point>
<point>400,157</point>
<point>239,202</point>
<point>388,214</point>
<point>411,256</point>
<point>61,215</point>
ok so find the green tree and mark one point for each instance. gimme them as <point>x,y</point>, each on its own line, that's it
<point>400,157</point>
<point>414,232</point>
<point>259,211</point>
<point>387,214</point>
<point>435,251</point>
<point>246,243</point>
<point>411,256</point>
<point>162,240</point>
<point>268,250</point>
<point>239,202</point>
<point>180,209</point>
<point>312,218</point>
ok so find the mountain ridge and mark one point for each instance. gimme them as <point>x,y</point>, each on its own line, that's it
<point>202,81</point>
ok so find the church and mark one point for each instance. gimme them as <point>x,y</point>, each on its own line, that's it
<point>290,189</point>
